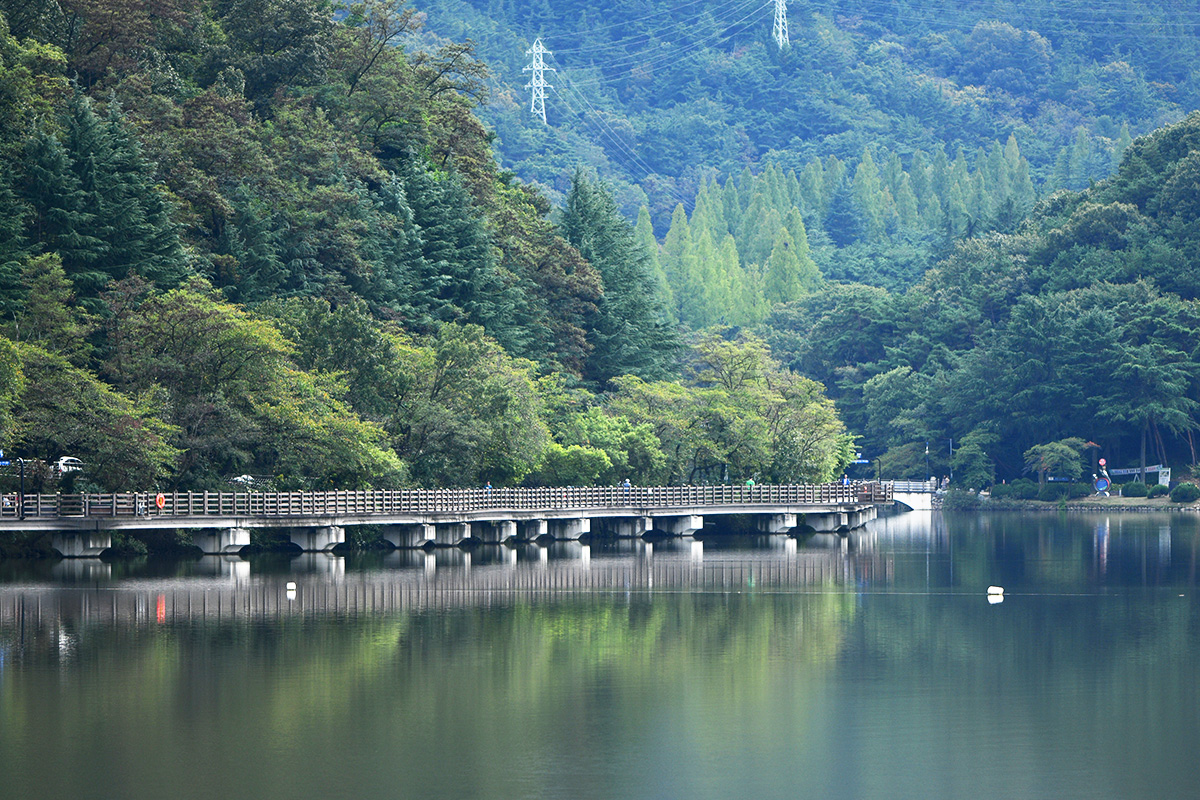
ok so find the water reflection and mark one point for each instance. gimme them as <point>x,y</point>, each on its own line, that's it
<point>909,552</point>
<point>873,666</point>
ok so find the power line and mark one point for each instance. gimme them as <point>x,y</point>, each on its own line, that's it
<point>640,60</point>
<point>672,28</point>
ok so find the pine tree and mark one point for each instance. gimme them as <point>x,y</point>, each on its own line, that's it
<point>1120,146</point>
<point>12,248</point>
<point>757,246</point>
<point>676,249</point>
<point>643,232</point>
<point>790,273</point>
<point>701,301</point>
<point>843,223</point>
<point>832,177</point>
<point>738,310</point>
<point>749,306</point>
<point>732,205</point>
<point>458,270</point>
<point>939,177</point>
<point>708,213</point>
<point>127,213</point>
<point>60,221</point>
<point>253,271</point>
<point>628,337</point>
<point>867,191</point>
<point>906,203</point>
<point>813,201</point>
<point>1079,160</point>
<point>892,172</point>
<point>144,240</point>
<point>1021,184</point>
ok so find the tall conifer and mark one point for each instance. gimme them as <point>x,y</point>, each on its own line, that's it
<point>628,336</point>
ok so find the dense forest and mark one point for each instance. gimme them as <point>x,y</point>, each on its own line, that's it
<point>876,108</point>
<point>328,246</point>
<point>663,95</point>
<point>252,237</point>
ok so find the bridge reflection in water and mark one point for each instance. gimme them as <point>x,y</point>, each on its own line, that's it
<point>319,585</point>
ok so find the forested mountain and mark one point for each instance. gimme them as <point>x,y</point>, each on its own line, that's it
<point>667,94</point>
<point>864,190</point>
<point>666,98</point>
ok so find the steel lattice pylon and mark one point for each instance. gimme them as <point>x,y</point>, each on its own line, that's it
<point>537,82</point>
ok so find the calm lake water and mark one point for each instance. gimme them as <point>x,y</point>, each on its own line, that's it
<point>756,668</point>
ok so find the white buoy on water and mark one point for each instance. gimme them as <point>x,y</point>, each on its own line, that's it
<point>995,594</point>
<point>995,590</point>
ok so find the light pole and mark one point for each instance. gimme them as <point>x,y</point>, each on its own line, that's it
<point>21,498</point>
<point>927,461</point>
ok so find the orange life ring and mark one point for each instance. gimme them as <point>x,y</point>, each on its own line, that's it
<point>160,501</point>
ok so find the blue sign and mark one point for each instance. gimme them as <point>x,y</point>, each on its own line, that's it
<point>4,462</point>
<point>1102,484</point>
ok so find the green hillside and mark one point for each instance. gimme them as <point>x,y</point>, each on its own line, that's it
<point>1085,323</point>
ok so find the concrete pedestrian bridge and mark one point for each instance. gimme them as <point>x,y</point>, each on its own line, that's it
<point>81,525</point>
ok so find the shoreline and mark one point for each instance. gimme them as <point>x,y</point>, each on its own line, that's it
<point>1089,504</point>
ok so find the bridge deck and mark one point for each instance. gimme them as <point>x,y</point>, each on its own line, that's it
<point>141,510</point>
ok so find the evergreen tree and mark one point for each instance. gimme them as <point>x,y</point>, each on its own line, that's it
<point>254,270</point>
<point>1121,145</point>
<point>906,203</point>
<point>763,230</point>
<point>628,337</point>
<point>60,221</point>
<point>458,273</point>
<point>12,248</point>
<point>789,276</point>
<point>144,240</point>
<point>843,223</point>
<point>676,252</point>
<point>732,205</point>
<point>643,232</point>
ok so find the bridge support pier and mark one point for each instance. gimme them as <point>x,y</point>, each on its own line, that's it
<point>856,519</point>
<point>221,541</point>
<point>622,527</point>
<point>316,540</point>
<point>451,533</point>
<point>416,535</point>
<point>81,544</point>
<point>774,523</point>
<point>530,529</point>
<point>569,528</point>
<point>684,525</point>
<point>495,531</point>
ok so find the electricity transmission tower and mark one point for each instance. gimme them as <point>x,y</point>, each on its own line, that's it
<point>779,33</point>
<point>537,81</point>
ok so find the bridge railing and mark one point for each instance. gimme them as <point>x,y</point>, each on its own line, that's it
<point>418,501</point>
<point>912,486</point>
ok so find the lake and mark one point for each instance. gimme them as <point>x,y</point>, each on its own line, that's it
<point>869,667</point>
